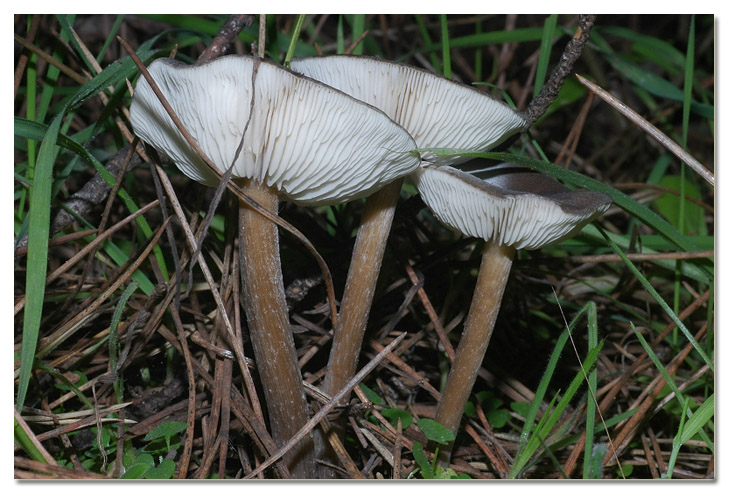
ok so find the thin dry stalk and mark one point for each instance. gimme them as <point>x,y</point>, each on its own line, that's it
<point>23,59</point>
<point>328,407</point>
<point>34,439</point>
<point>652,391</point>
<point>68,329</point>
<point>609,258</point>
<point>397,449</point>
<point>503,458</point>
<point>620,383</point>
<point>339,449</point>
<point>89,247</point>
<point>407,370</point>
<point>650,129</point>
<point>35,469</point>
<point>432,316</point>
<point>225,426</point>
<point>571,143</point>
<point>190,430</point>
<point>487,452</point>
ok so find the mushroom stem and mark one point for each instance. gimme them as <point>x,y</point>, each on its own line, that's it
<point>268,323</point>
<point>362,278</point>
<point>357,299</point>
<point>493,274</point>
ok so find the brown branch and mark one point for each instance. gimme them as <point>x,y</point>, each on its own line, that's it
<point>651,130</point>
<point>23,59</point>
<point>572,52</point>
<point>226,37</point>
<point>328,407</point>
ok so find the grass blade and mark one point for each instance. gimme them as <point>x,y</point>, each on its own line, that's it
<point>546,46</point>
<point>358,28</point>
<point>684,401</point>
<point>700,418</point>
<point>37,263</point>
<point>445,46</point>
<point>294,38</point>
<point>29,129</point>
<point>672,315</point>
<point>544,430</point>
<point>547,376</point>
<point>427,39</point>
<point>590,470</point>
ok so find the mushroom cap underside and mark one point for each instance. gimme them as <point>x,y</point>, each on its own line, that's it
<point>436,111</point>
<point>313,143</point>
<point>511,206</point>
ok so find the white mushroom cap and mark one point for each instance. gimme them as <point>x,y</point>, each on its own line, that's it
<point>437,112</point>
<point>512,206</point>
<point>314,144</point>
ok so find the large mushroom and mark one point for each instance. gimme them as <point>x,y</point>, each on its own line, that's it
<point>511,208</point>
<point>286,136</point>
<point>438,113</point>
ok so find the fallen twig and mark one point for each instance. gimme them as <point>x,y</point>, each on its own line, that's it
<point>309,426</point>
<point>650,129</point>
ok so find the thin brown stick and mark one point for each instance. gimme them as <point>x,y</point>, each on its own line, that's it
<point>78,256</point>
<point>605,258</point>
<point>354,44</point>
<point>63,333</point>
<point>225,421</point>
<point>339,449</point>
<point>190,430</point>
<point>487,451</point>
<point>437,325</point>
<point>77,78</point>
<point>571,143</point>
<point>100,228</point>
<point>656,187</point>
<point>60,240</point>
<point>77,425</point>
<point>35,470</point>
<point>23,59</point>
<point>328,407</point>
<point>177,208</point>
<point>572,52</point>
<point>504,461</point>
<point>658,451</point>
<point>629,428</point>
<point>397,449</point>
<point>408,370</point>
<point>650,459</point>
<point>226,37</point>
<point>248,382</point>
<point>650,129</point>
<point>34,440</point>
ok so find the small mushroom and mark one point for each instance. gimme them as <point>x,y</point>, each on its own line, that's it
<point>285,136</point>
<point>438,113</point>
<point>510,208</point>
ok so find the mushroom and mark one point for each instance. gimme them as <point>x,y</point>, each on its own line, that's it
<point>284,135</point>
<point>438,113</point>
<point>511,208</point>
